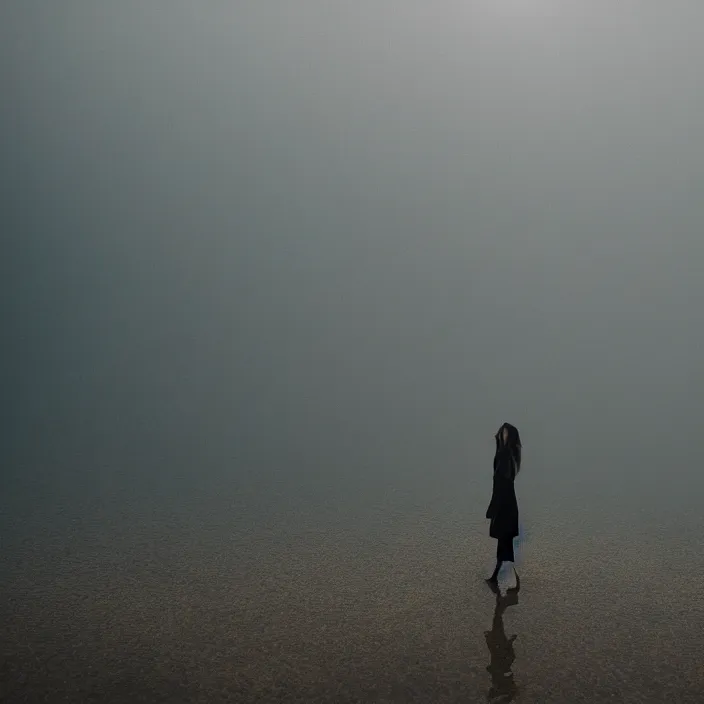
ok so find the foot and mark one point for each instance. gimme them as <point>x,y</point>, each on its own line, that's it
<point>493,584</point>
<point>509,577</point>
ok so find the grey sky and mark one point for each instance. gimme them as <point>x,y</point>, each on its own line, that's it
<point>335,240</point>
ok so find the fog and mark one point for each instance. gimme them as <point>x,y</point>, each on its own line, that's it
<point>318,253</point>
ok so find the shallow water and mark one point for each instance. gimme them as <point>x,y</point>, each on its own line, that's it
<point>192,598</point>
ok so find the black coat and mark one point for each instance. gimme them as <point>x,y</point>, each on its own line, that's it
<point>503,509</point>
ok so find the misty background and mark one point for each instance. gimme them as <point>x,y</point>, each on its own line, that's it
<point>274,256</point>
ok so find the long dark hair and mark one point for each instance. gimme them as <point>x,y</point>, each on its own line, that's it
<point>513,443</point>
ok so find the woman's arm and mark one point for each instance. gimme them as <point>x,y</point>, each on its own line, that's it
<point>490,511</point>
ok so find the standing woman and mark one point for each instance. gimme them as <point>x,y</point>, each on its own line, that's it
<point>503,509</point>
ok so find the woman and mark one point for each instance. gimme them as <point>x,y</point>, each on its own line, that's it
<point>503,509</point>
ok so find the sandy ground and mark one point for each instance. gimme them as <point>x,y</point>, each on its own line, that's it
<point>385,604</point>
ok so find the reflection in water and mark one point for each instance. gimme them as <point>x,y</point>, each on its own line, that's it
<point>503,688</point>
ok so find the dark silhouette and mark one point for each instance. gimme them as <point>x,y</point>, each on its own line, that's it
<point>503,687</point>
<point>503,508</point>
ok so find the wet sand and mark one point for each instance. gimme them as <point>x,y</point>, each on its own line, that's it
<point>197,600</point>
